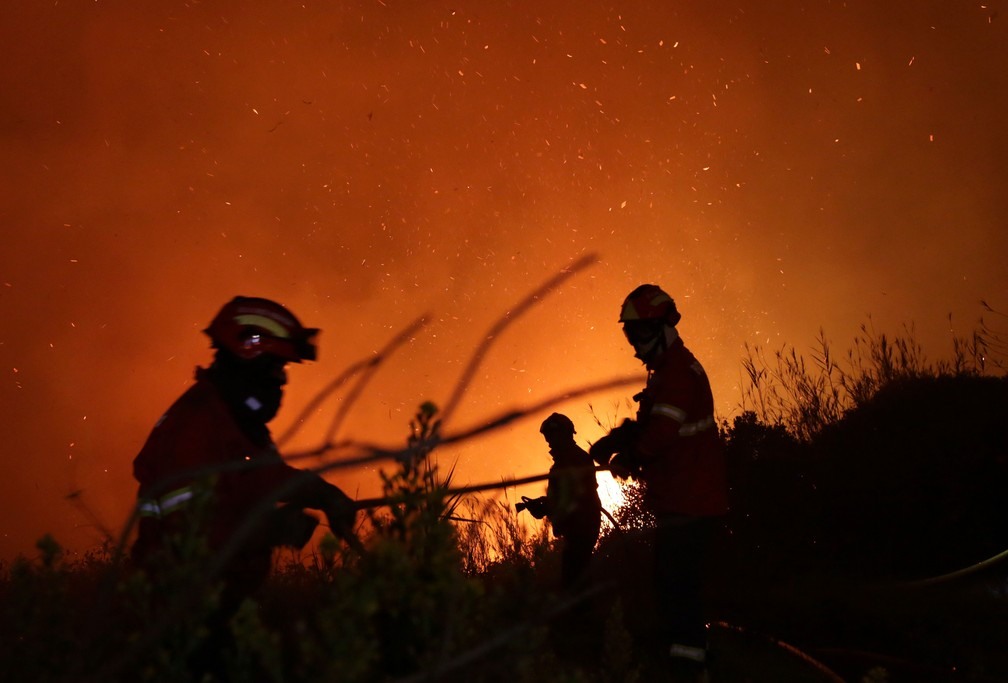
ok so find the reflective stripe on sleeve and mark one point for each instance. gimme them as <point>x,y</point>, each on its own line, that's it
<point>175,499</point>
<point>679,415</point>
<point>149,508</point>
<point>668,410</point>
<point>167,503</point>
<point>691,428</point>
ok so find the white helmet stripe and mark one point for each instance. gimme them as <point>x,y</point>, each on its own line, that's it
<point>275,328</point>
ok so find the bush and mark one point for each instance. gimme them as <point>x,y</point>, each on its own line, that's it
<point>894,467</point>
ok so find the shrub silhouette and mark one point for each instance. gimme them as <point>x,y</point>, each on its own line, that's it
<point>891,468</point>
<point>914,479</point>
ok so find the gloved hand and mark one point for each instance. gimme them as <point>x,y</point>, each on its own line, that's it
<point>535,506</point>
<point>602,450</point>
<point>341,511</point>
<point>622,466</point>
<point>618,439</point>
<point>291,527</point>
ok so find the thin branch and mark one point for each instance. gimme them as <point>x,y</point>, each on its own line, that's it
<point>498,327</point>
<point>369,366</point>
<point>371,453</point>
<point>374,452</point>
<point>321,396</point>
<point>506,483</point>
<point>367,503</point>
<point>408,332</point>
<point>77,499</point>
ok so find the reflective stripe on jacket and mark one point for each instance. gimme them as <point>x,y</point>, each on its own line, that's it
<point>198,446</point>
<point>166,504</point>
<point>681,452</point>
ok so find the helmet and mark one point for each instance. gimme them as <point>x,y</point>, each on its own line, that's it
<point>250,327</point>
<point>651,303</point>
<point>557,423</point>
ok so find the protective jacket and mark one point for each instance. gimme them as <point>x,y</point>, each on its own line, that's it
<point>678,448</point>
<point>203,451</point>
<point>572,500</point>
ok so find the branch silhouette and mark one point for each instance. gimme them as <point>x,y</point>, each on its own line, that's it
<point>369,373</point>
<point>364,453</point>
<point>367,367</point>
<point>465,379</point>
<point>372,452</point>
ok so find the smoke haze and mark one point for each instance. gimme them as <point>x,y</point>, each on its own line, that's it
<point>777,167</point>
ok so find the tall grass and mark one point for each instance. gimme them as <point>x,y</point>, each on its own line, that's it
<point>806,393</point>
<point>450,587</point>
<point>426,595</point>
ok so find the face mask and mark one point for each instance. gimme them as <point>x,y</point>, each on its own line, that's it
<point>264,380</point>
<point>264,401</point>
<point>257,385</point>
<point>643,352</point>
<point>643,337</point>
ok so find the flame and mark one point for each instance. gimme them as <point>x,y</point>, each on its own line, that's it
<point>610,492</point>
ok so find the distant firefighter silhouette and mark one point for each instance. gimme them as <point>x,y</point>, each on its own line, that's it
<point>674,449</point>
<point>210,473</point>
<point>571,502</point>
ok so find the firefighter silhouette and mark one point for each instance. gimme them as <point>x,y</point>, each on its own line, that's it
<point>571,502</point>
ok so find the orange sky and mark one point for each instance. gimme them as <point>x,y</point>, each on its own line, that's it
<point>776,170</point>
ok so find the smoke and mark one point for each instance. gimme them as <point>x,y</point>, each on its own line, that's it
<point>777,169</point>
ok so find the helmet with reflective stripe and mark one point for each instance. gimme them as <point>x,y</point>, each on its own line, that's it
<point>250,327</point>
<point>557,423</point>
<point>649,303</point>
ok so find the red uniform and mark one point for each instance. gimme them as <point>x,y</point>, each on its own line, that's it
<point>198,447</point>
<point>681,462</point>
<point>210,471</point>
<point>572,500</point>
<point>679,450</point>
<point>573,506</point>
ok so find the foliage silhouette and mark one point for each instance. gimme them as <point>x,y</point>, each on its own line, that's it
<point>891,470</point>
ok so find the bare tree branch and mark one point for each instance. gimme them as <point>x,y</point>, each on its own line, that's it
<point>365,453</point>
<point>370,452</point>
<point>509,317</point>
<point>369,366</point>
<point>505,483</point>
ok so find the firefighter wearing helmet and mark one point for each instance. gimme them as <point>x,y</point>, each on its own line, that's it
<point>674,450</point>
<point>210,470</point>
<point>571,502</point>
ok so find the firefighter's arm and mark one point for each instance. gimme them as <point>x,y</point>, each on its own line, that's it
<point>291,527</point>
<point>535,506</point>
<point>307,489</point>
<point>623,465</point>
<point>618,440</point>
<point>340,510</point>
<point>662,430</point>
